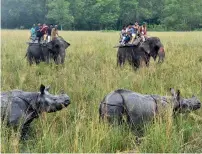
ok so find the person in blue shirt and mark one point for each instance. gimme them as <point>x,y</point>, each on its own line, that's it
<point>127,38</point>
<point>33,33</point>
<point>134,31</point>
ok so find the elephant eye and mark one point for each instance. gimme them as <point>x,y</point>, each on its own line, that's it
<point>57,46</point>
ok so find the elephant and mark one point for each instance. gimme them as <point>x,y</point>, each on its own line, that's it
<point>54,49</point>
<point>19,108</point>
<point>141,52</point>
<point>139,108</point>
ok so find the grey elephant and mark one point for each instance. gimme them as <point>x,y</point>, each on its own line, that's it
<point>54,49</point>
<point>20,108</point>
<point>141,52</point>
<point>139,108</point>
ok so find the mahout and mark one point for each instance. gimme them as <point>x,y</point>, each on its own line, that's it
<point>140,109</point>
<point>140,52</point>
<point>55,49</point>
<point>19,108</point>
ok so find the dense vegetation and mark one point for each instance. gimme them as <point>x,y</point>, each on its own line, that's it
<point>89,73</point>
<point>103,14</point>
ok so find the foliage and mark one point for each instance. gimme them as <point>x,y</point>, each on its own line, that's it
<point>89,73</point>
<point>58,11</point>
<point>103,14</point>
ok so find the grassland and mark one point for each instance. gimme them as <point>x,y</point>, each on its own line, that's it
<point>89,74</point>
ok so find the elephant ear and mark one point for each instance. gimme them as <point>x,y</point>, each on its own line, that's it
<point>66,44</point>
<point>50,45</point>
<point>145,46</point>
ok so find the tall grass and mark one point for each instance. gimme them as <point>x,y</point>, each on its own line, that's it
<point>89,74</point>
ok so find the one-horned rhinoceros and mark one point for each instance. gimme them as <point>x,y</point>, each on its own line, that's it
<point>20,108</point>
<point>140,108</point>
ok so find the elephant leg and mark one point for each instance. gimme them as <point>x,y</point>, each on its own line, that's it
<point>147,59</point>
<point>56,59</point>
<point>37,61</point>
<point>135,61</point>
<point>29,59</point>
<point>62,56</point>
<point>120,61</point>
<point>47,58</point>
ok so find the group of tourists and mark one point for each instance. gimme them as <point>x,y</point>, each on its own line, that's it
<point>43,32</point>
<point>133,31</point>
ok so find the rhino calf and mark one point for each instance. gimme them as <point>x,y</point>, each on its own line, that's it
<point>140,108</point>
<point>20,108</point>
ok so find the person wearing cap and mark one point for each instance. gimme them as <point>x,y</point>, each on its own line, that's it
<point>54,32</point>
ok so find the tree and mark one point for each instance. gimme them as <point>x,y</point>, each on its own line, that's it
<point>182,14</point>
<point>58,11</point>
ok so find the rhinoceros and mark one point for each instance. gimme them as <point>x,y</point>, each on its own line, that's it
<point>20,108</point>
<point>140,108</point>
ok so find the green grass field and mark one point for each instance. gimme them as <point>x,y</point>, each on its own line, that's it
<point>89,74</point>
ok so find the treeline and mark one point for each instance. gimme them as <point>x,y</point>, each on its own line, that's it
<point>103,14</point>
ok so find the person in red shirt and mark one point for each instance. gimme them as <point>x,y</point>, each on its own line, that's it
<point>43,31</point>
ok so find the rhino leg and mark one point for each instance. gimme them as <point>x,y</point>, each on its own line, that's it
<point>24,131</point>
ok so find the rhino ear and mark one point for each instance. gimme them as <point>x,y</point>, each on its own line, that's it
<point>42,88</point>
<point>62,92</point>
<point>47,88</point>
<point>178,95</point>
<point>172,91</point>
<point>193,96</point>
<point>50,45</point>
<point>66,44</point>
